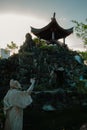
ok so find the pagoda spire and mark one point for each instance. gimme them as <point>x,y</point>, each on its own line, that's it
<point>54,14</point>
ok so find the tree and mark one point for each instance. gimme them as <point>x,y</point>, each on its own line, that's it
<point>12,47</point>
<point>84,55</point>
<point>81,30</point>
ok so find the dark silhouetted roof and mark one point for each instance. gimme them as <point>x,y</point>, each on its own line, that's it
<point>46,32</point>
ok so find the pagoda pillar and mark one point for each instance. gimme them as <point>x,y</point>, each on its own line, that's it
<point>64,40</point>
<point>53,36</point>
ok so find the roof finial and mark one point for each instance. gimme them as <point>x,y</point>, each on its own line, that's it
<point>54,15</point>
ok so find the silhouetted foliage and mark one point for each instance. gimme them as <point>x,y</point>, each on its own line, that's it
<point>81,30</point>
<point>12,47</point>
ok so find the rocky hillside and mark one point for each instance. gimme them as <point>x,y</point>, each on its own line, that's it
<point>53,65</point>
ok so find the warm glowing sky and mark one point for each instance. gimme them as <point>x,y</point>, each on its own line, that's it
<point>16,17</point>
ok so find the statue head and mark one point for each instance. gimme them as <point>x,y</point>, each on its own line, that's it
<point>14,84</point>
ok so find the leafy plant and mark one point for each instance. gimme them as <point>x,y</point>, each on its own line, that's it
<point>81,30</point>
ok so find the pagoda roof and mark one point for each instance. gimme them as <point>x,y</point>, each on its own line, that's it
<point>46,32</point>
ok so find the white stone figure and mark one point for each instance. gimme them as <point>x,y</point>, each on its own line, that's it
<point>14,103</point>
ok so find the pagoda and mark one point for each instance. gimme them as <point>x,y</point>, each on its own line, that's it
<point>52,32</point>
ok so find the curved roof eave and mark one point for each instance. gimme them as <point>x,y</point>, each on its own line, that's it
<point>58,30</point>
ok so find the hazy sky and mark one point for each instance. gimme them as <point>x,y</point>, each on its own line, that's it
<point>16,17</point>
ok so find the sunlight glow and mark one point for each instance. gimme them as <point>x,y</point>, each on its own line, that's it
<point>14,27</point>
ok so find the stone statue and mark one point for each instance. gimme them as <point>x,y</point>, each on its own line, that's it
<point>14,103</point>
